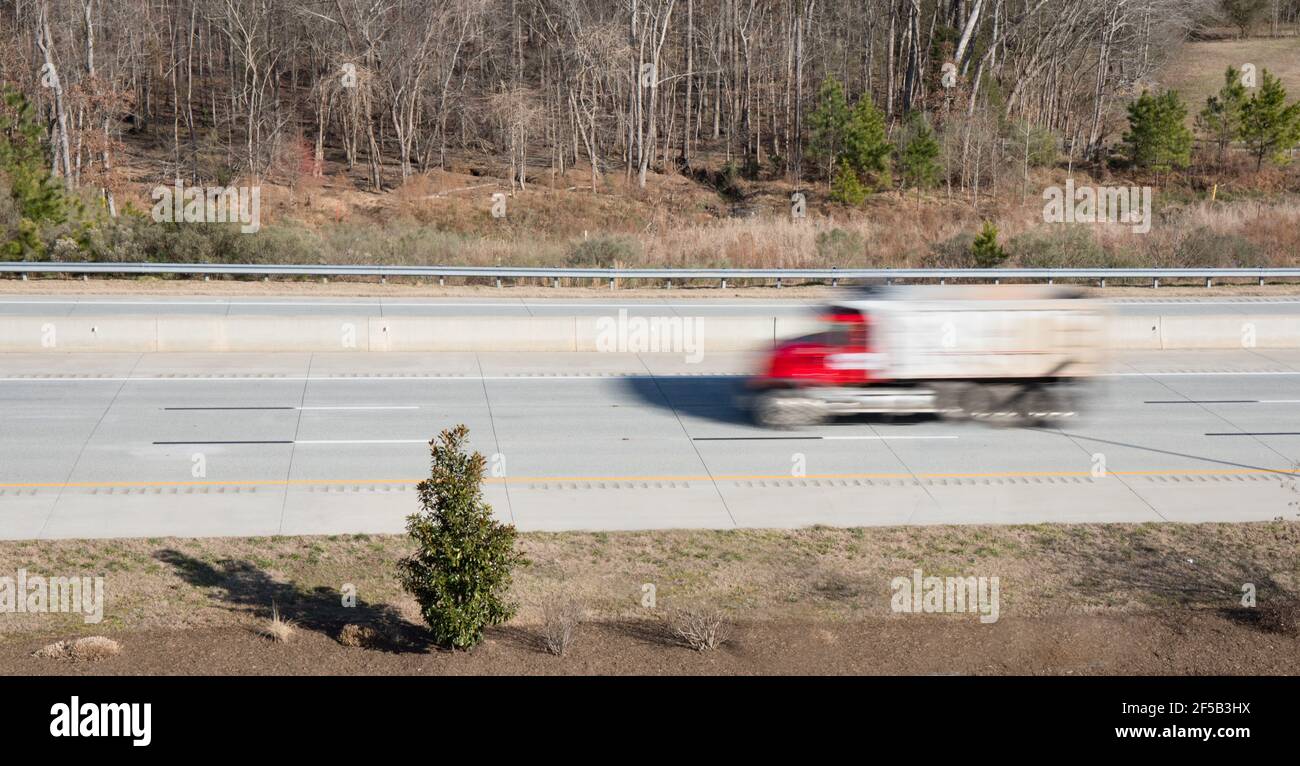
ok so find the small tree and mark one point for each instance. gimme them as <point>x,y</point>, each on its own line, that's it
<point>829,122</point>
<point>985,249</point>
<point>1158,138</point>
<point>1220,120</point>
<point>866,143</point>
<point>1242,13</point>
<point>918,159</point>
<point>460,572</point>
<point>38,200</point>
<point>1269,127</point>
<point>845,187</point>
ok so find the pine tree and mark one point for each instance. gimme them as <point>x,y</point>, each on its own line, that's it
<point>1220,120</point>
<point>460,572</point>
<point>866,143</point>
<point>918,160</point>
<point>1158,138</point>
<point>985,249</point>
<point>38,199</point>
<point>846,187</point>
<point>829,123</point>
<point>1269,127</point>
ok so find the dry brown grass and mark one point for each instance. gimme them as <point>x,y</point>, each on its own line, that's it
<point>87,649</point>
<point>816,573</point>
<point>277,629</point>
<point>1196,71</point>
<point>560,621</point>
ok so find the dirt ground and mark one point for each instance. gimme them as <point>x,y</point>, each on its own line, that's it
<point>1121,599</point>
<point>395,289</point>
<point>1165,643</point>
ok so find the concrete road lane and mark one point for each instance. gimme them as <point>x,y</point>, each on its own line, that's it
<point>107,445</point>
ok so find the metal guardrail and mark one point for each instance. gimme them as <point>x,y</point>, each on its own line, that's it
<point>725,275</point>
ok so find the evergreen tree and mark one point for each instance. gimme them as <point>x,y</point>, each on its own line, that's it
<point>37,198</point>
<point>1158,138</point>
<point>1220,120</point>
<point>985,249</point>
<point>846,187</point>
<point>1269,127</point>
<point>866,143</point>
<point>460,572</point>
<point>918,159</point>
<point>1242,14</point>
<point>829,123</point>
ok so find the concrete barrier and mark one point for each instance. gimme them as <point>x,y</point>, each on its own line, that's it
<point>572,333</point>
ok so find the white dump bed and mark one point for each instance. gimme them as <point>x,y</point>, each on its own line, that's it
<point>982,332</point>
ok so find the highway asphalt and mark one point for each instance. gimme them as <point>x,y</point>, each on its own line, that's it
<point>127,445</point>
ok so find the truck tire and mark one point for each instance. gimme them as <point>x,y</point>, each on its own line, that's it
<point>787,409</point>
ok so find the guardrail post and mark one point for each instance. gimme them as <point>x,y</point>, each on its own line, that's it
<point>724,283</point>
<point>670,284</point>
<point>555,282</point>
<point>1261,280</point>
<point>1209,282</point>
<point>611,283</point>
<point>498,281</point>
<point>1102,282</point>
<point>1051,280</point>
<point>778,283</point>
<point>442,281</point>
<point>383,280</point>
<point>24,276</point>
<point>1155,282</point>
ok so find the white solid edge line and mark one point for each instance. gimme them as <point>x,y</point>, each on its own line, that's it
<point>360,441</point>
<point>883,438</point>
<point>380,407</point>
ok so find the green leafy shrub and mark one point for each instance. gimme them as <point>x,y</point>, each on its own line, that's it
<point>460,573</point>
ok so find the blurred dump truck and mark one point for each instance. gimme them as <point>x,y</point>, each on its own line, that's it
<point>1015,354</point>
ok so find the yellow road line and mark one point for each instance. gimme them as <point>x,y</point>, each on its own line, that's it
<point>699,477</point>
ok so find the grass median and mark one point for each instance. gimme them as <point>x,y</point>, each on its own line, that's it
<point>1085,579</point>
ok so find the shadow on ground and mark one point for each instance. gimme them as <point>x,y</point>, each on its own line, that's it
<point>1189,572</point>
<point>715,397</point>
<point>246,588</point>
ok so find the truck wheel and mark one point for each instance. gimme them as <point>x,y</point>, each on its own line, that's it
<point>1035,407</point>
<point>1051,405</point>
<point>976,401</point>
<point>785,409</point>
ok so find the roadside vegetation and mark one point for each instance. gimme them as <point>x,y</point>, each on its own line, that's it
<point>912,177</point>
<point>820,574</point>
